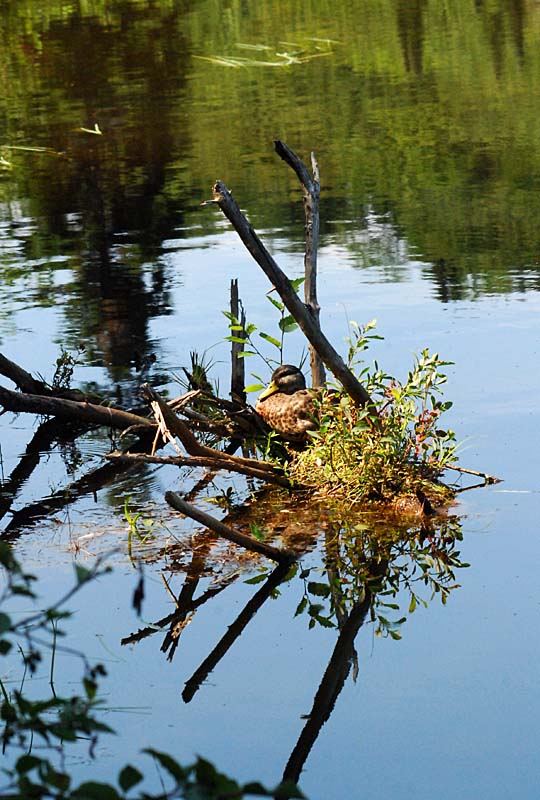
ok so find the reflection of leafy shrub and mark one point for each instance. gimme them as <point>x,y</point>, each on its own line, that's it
<point>398,567</point>
<point>363,455</point>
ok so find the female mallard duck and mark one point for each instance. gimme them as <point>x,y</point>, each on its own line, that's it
<point>286,405</point>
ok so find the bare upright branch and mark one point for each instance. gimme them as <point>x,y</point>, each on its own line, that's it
<point>237,362</point>
<point>328,354</point>
<point>312,189</point>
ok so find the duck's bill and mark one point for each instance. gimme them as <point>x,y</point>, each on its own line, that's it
<point>270,389</point>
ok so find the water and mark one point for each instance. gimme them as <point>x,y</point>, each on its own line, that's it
<point>424,118</point>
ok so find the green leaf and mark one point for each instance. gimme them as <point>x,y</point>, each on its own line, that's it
<point>5,623</point>
<point>412,604</point>
<point>82,574</point>
<point>90,687</point>
<point>129,777</point>
<point>319,589</point>
<point>270,339</point>
<point>27,763</point>
<point>254,387</point>
<point>276,303</point>
<point>256,532</point>
<point>257,579</point>
<point>256,789</point>
<point>297,283</point>
<point>96,791</point>
<point>287,790</point>
<point>301,607</point>
<point>324,621</point>
<point>246,353</point>
<point>169,764</point>
<point>237,339</point>
<point>288,324</point>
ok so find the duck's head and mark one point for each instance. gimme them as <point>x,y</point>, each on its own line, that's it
<point>286,379</point>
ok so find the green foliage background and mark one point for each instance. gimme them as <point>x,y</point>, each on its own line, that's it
<point>425,109</point>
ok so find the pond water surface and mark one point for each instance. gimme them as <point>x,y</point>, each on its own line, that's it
<point>115,119</point>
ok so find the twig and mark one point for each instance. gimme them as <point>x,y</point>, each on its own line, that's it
<point>194,448</point>
<point>489,479</point>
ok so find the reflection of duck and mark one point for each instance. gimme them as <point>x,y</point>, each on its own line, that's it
<point>286,405</point>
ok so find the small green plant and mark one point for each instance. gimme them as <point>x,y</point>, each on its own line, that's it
<point>138,526</point>
<point>244,334</point>
<point>361,454</point>
<point>65,366</point>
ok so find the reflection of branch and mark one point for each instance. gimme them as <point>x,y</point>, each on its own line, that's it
<point>331,685</point>
<point>41,441</point>
<point>178,615</point>
<point>34,512</point>
<point>233,632</point>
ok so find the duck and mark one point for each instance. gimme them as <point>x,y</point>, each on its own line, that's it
<point>286,405</point>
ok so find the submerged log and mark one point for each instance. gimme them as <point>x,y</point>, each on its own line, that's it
<point>276,554</point>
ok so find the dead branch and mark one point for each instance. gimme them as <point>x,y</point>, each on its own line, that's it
<point>312,188</point>
<point>213,463</point>
<point>71,409</point>
<point>330,357</point>
<point>194,448</point>
<point>489,479</point>
<point>282,556</point>
<point>20,377</point>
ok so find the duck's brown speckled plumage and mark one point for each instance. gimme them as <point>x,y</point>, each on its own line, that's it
<point>286,405</point>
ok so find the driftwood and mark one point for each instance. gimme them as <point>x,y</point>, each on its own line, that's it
<point>20,377</point>
<point>46,406</point>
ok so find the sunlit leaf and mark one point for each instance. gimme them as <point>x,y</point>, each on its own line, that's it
<point>276,303</point>
<point>270,339</point>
